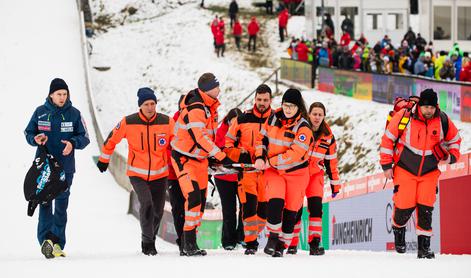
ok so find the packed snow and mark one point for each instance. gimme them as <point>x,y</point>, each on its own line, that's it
<point>102,238</point>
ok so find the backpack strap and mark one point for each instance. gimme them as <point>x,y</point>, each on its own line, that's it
<point>403,123</point>
<point>444,120</point>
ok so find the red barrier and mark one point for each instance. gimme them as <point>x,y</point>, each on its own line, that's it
<point>455,224</point>
<point>458,169</point>
<point>355,187</point>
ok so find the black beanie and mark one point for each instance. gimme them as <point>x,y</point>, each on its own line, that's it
<point>207,82</point>
<point>428,97</point>
<point>293,96</point>
<point>57,84</point>
<point>145,94</point>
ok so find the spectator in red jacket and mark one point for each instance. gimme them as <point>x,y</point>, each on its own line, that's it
<point>345,39</point>
<point>465,74</point>
<point>283,24</point>
<point>222,25</point>
<point>214,29</point>
<point>303,51</point>
<point>253,29</point>
<point>237,32</point>
<point>220,45</point>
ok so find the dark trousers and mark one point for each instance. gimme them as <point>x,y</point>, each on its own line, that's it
<point>269,6</point>
<point>232,227</point>
<point>233,17</point>
<point>237,42</point>
<point>220,49</point>
<point>254,40</point>
<point>151,196</point>
<point>52,225</point>
<point>282,33</point>
<point>178,207</point>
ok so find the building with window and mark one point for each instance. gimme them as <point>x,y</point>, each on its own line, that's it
<point>443,21</point>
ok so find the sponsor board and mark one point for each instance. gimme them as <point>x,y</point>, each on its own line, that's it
<point>364,223</point>
<point>355,187</point>
<point>458,169</point>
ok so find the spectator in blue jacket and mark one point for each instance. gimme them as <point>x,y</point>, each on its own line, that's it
<point>60,127</point>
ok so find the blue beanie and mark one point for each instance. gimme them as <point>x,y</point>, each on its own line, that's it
<point>145,94</point>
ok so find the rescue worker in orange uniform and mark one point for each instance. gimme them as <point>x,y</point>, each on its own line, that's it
<point>412,162</point>
<point>283,152</point>
<point>148,134</point>
<point>323,155</point>
<point>242,135</point>
<point>192,145</point>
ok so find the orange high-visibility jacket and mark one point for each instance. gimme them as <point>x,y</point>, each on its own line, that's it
<point>323,155</point>
<point>285,143</point>
<point>195,129</point>
<point>244,131</point>
<point>413,150</point>
<point>148,141</point>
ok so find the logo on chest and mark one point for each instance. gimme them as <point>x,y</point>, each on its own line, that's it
<point>162,141</point>
<point>435,135</point>
<point>44,125</point>
<point>67,127</point>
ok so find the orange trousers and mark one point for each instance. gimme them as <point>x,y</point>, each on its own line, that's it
<point>314,194</point>
<point>414,193</point>
<point>193,179</point>
<point>252,192</point>
<point>285,193</point>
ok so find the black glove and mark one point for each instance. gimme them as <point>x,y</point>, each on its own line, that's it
<point>227,161</point>
<point>102,166</point>
<point>245,158</point>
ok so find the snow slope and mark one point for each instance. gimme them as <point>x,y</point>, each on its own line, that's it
<point>102,239</point>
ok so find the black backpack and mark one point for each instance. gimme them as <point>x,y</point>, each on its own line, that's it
<point>44,181</point>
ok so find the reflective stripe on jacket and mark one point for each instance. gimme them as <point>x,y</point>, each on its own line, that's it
<point>195,129</point>
<point>413,150</point>
<point>148,141</point>
<point>285,143</point>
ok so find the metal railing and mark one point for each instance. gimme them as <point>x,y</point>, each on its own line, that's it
<point>275,73</point>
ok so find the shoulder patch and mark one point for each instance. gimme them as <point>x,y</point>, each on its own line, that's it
<point>302,137</point>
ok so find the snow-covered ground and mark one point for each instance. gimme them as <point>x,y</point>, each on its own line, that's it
<point>102,239</point>
<point>169,53</point>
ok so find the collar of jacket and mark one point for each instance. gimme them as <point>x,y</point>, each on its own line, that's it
<point>287,122</point>
<point>144,118</point>
<point>259,114</point>
<point>54,108</point>
<point>209,101</point>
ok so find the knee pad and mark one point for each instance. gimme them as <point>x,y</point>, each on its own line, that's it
<point>250,206</point>
<point>194,199</point>
<point>275,210</point>
<point>401,216</point>
<point>314,205</point>
<point>424,216</point>
<point>262,210</point>
<point>289,220</point>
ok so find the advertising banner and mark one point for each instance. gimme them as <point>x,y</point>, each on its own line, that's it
<point>364,223</point>
<point>454,209</point>
<point>458,169</point>
<point>466,103</point>
<point>378,182</point>
<point>345,82</point>
<point>449,96</point>
<point>355,187</point>
<point>381,91</point>
<point>401,86</point>
<point>295,71</point>
<point>326,80</point>
<point>364,86</point>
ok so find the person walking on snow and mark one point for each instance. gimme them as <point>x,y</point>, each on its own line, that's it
<point>237,32</point>
<point>233,10</point>
<point>283,24</point>
<point>148,134</point>
<point>60,127</point>
<point>253,29</point>
<point>411,148</point>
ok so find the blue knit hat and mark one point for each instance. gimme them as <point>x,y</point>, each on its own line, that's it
<point>145,94</point>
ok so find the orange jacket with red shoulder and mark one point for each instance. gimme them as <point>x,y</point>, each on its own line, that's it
<point>148,141</point>
<point>244,131</point>
<point>195,129</point>
<point>413,150</point>
<point>323,155</point>
<point>285,142</point>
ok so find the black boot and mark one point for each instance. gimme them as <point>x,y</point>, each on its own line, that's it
<point>400,239</point>
<point>190,248</point>
<point>271,244</point>
<point>251,247</point>
<point>180,246</point>
<point>314,248</point>
<point>292,250</point>
<point>148,248</point>
<point>424,251</point>
<point>280,247</point>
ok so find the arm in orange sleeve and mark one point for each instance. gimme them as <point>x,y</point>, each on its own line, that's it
<point>115,136</point>
<point>388,140</point>
<point>330,164</point>
<point>197,129</point>
<point>231,135</point>
<point>453,142</point>
<point>261,142</point>
<point>298,151</point>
